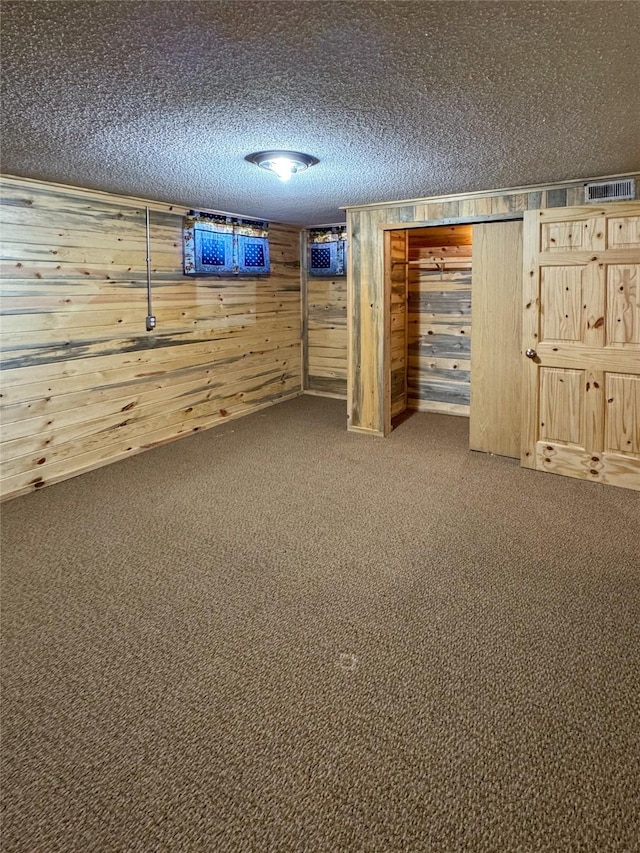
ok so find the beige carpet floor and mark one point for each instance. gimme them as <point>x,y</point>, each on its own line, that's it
<point>278,636</point>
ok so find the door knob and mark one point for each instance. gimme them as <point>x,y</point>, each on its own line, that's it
<point>530,353</point>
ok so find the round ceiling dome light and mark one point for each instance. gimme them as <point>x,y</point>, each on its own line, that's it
<point>282,163</point>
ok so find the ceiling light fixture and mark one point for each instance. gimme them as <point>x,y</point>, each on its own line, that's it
<point>283,163</point>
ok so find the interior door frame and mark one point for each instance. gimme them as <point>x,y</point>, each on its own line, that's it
<point>406,226</point>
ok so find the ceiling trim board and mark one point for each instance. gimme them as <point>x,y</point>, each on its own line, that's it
<point>491,193</point>
<point>132,201</point>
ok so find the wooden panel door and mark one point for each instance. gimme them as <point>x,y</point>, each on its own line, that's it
<point>496,341</point>
<point>396,289</point>
<point>581,331</point>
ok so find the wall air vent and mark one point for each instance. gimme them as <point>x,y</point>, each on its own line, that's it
<point>610,190</point>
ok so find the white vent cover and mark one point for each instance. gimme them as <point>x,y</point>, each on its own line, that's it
<point>610,190</point>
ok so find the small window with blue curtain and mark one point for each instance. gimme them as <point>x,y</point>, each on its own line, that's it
<point>252,247</point>
<point>216,244</point>
<point>327,251</point>
<point>213,251</point>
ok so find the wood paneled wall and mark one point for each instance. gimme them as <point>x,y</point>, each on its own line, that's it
<point>440,318</point>
<point>83,382</point>
<point>326,335</point>
<point>496,346</point>
<point>397,273</point>
<point>368,315</point>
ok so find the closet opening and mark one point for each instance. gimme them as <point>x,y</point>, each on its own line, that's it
<point>454,298</point>
<point>429,288</point>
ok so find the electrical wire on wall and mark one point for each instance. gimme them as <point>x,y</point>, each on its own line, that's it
<point>151,320</point>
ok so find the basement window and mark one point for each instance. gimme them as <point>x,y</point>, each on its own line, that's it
<point>217,244</point>
<point>327,251</point>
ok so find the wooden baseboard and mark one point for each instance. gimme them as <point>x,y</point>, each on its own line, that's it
<point>325,394</point>
<point>438,408</point>
<point>374,432</point>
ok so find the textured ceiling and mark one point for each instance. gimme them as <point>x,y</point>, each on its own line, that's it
<point>397,99</point>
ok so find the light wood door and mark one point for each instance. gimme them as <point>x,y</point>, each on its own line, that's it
<point>581,327</point>
<point>496,340</point>
<point>396,288</point>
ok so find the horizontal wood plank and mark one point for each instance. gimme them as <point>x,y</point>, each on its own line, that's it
<point>83,383</point>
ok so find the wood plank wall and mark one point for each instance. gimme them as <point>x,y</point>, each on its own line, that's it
<point>396,267</point>
<point>496,347</point>
<point>440,318</point>
<point>83,383</point>
<point>367,384</point>
<point>326,335</point>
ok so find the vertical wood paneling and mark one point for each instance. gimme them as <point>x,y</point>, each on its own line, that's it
<point>326,350</point>
<point>623,305</point>
<point>324,330</point>
<point>623,414</point>
<point>370,299</point>
<point>529,401</point>
<point>623,233</point>
<point>562,405</point>
<point>562,290</point>
<point>368,321</point>
<point>439,318</point>
<point>594,407</point>
<point>354,323</point>
<point>83,382</point>
<point>396,286</point>
<point>367,394</point>
<point>496,346</point>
